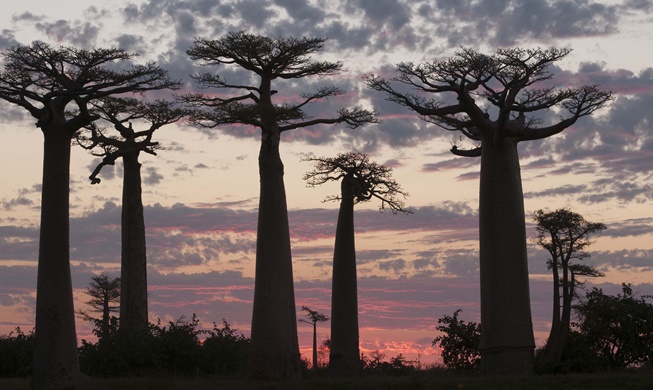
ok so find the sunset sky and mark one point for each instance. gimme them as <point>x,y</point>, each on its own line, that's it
<point>201,191</point>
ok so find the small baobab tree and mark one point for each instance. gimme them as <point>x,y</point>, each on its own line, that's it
<point>361,180</point>
<point>57,86</point>
<point>104,291</point>
<point>127,145</point>
<point>313,317</point>
<point>565,235</point>
<point>494,101</point>
<point>275,350</point>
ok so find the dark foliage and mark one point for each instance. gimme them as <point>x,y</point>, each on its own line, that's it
<point>397,366</point>
<point>224,351</point>
<point>578,357</point>
<point>459,343</point>
<point>16,353</point>
<point>174,349</point>
<point>618,328</point>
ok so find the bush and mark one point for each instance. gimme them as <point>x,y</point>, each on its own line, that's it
<point>225,351</point>
<point>459,343</point>
<point>16,353</point>
<point>176,349</point>
<point>397,366</point>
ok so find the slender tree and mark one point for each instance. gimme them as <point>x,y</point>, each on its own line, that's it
<point>105,295</point>
<point>56,86</point>
<point>313,318</point>
<point>565,235</point>
<point>493,100</point>
<point>361,180</point>
<point>120,112</point>
<point>275,351</point>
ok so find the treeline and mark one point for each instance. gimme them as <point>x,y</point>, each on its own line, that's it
<point>180,348</point>
<point>611,332</point>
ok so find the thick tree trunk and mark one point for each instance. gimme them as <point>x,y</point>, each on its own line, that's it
<point>507,340</point>
<point>275,349</point>
<point>344,358</point>
<point>133,272</point>
<point>56,364</point>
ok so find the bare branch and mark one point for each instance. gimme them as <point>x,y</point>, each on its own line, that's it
<point>505,80</point>
<point>368,179</point>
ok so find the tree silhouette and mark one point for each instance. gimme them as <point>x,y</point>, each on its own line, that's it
<point>56,85</point>
<point>313,318</point>
<point>565,235</point>
<point>492,100</point>
<point>459,342</point>
<point>120,112</point>
<point>275,350</point>
<point>618,328</point>
<point>105,294</point>
<point>361,180</point>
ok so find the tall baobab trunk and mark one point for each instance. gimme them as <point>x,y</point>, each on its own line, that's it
<point>56,363</point>
<point>507,340</point>
<point>344,356</point>
<point>275,349</point>
<point>133,273</point>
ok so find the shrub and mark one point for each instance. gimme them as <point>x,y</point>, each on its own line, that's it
<point>16,353</point>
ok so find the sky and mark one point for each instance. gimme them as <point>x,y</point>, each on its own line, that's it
<point>201,191</point>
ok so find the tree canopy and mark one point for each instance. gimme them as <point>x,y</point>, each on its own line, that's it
<point>505,85</point>
<point>369,179</point>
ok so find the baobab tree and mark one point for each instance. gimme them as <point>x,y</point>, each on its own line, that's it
<point>313,318</point>
<point>120,112</point>
<point>565,235</point>
<point>275,351</point>
<point>361,180</point>
<point>105,298</point>
<point>56,86</point>
<point>494,100</point>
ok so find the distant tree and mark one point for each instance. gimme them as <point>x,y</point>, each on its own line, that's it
<point>493,101</point>
<point>56,86</point>
<point>361,181</point>
<point>565,235</point>
<point>104,291</point>
<point>275,350</point>
<point>459,342</point>
<point>313,318</point>
<point>323,353</point>
<point>618,328</point>
<point>120,112</point>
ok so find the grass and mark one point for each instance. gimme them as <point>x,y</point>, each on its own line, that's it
<point>417,380</point>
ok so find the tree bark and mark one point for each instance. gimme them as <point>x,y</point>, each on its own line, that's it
<point>551,354</point>
<point>507,341</point>
<point>315,345</point>
<point>275,349</point>
<point>133,272</point>
<point>344,357</point>
<point>56,363</point>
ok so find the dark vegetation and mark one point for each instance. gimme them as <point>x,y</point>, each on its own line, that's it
<point>611,333</point>
<point>179,348</point>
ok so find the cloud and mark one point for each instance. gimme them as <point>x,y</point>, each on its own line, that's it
<point>80,34</point>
